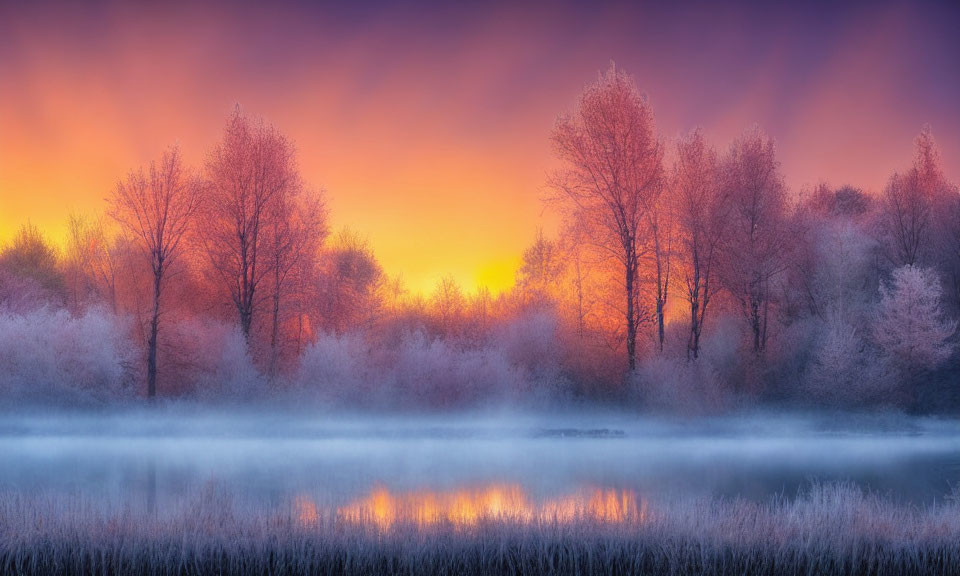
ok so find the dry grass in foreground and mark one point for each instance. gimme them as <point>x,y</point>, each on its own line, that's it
<point>830,529</point>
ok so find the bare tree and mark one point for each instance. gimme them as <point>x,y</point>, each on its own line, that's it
<point>576,253</point>
<point>926,189</point>
<point>540,272</point>
<point>91,262</point>
<point>906,219</point>
<point>77,261</point>
<point>31,258</point>
<point>450,303</point>
<point>758,237</point>
<point>248,172</point>
<point>907,205</point>
<point>349,284</point>
<point>297,227</point>
<point>156,208</point>
<point>612,169</point>
<point>660,236</point>
<point>700,209</point>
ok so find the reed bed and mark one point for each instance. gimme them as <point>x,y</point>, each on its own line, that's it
<point>828,529</point>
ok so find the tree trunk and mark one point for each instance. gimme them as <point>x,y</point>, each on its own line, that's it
<point>152,341</point>
<point>275,327</point>
<point>246,320</point>
<point>631,317</point>
<point>693,345</point>
<point>763,325</point>
<point>660,328</point>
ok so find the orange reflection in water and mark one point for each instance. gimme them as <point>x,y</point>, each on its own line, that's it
<point>465,507</point>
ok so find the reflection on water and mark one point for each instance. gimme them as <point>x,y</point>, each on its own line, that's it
<point>458,472</point>
<point>465,507</point>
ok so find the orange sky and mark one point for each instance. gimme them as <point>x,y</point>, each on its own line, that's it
<point>428,123</point>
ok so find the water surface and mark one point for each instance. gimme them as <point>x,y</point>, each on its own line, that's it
<point>607,466</point>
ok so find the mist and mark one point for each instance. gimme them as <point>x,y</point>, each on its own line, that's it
<point>273,456</point>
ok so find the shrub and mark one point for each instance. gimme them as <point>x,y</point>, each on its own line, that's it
<point>50,356</point>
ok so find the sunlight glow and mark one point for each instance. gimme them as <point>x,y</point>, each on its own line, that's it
<point>469,506</point>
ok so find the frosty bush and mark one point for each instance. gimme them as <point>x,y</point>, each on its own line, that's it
<point>335,368</point>
<point>50,356</point>
<point>530,343</point>
<point>434,373</point>
<point>208,358</point>
<point>419,371</point>
<point>680,386</point>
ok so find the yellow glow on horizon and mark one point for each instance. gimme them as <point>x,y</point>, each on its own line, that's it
<point>434,145</point>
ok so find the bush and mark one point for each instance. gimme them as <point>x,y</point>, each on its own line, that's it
<point>336,369</point>
<point>52,357</point>
<point>680,386</point>
<point>207,358</point>
<point>520,364</point>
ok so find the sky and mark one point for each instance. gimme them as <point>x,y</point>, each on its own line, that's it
<point>427,123</point>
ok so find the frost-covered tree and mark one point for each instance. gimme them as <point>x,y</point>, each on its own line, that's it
<point>911,204</point>
<point>348,286</point>
<point>541,271</point>
<point>844,368</point>
<point>611,174</point>
<point>156,209</point>
<point>31,263</point>
<point>909,326</point>
<point>250,172</point>
<point>841,280</point>
<point>758,238</point>
<point>700,212</point>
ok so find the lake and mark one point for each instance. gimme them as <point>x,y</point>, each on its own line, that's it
<point>461,468</point>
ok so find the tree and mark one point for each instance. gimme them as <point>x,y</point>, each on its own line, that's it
<point>846,201</point>
<point>91,263</point>
<point>948,241</point>
<point>540,272</point>
<point>700,208</point>
<point>30,274</point>
<point>907,205</point>
<point>612,170</point>
<point>834,262</point>
<point>156,209</point>
<point>909,326</point>
<point>249,172</point>
<point>32,258</point>
<point>297,227</point>
<point>757,234</point>
<point>449,304</point>
<point>348,284</point>
<point>661,234</point>
<point>843,369</point>
<point>76,261</point>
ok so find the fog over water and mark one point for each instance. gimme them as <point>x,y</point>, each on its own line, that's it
<point>161,457</point>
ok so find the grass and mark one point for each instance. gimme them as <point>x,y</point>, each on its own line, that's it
<point>829,529</point>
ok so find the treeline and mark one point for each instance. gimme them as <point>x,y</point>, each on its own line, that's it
<point>683,276</point>
<point>722,285</point>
